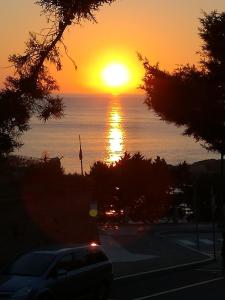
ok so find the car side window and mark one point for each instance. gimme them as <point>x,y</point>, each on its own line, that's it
<point>96,256</point>
<point>87,257</point>
<point>64,263</point>
<point>80,259</point>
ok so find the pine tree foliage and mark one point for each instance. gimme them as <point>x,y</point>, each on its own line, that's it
<point>194,96</point>
<point>29,92</point>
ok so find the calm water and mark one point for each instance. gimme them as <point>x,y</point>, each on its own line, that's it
<point>109,126</point>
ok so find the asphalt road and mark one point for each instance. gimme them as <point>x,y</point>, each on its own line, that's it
<point>206,242</point>
<point>134,251</point>
<point>201,283</point>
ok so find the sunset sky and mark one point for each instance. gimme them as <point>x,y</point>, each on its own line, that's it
<point>162,30</point>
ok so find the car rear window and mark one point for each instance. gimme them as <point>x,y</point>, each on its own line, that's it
<point>87,257</point>
<point>31,264</point>
<point>96,256</point>
<point>65,263</point>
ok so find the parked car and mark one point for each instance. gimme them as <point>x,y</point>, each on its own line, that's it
<point>61,273</point>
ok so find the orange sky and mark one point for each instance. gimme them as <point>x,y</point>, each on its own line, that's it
<point>163,30</point>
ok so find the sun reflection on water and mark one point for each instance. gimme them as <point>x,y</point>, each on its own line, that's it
<point>115,133</point>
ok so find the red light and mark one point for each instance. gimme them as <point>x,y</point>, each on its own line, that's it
<point>94,244</point>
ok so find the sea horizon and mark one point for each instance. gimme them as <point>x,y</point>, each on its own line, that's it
<point>108,126</point>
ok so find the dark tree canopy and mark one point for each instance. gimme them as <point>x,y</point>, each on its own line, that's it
<point>72,10</point>
<point>190,96</point>
<point>136,184</point>
<point>29,92</point>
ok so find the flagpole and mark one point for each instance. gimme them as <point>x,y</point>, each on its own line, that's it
<point>81,158</point>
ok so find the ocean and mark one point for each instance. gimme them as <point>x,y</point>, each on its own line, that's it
<point>108,126</point>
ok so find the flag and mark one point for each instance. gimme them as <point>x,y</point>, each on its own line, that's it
<point>80,152</point>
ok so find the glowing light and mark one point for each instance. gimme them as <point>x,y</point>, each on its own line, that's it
<point>116,118</point>
<point>93,210</point>
<point>116,137</point>
<point>94,244</point>
<point>116,134</point>
<point>93,213</point>
<point>114,70</point>
<point>115,75</point>
<point>111,212</point>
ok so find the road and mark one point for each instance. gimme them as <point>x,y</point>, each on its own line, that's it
<point>156,247</point>
<point>200,283</point>
<point>206,243</point>
<point>167,246</point>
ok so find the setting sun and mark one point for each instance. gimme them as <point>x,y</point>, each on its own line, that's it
<point>115,75</point>
<point>115,71</point>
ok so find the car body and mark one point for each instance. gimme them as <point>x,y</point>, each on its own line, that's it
<point>58,273</point>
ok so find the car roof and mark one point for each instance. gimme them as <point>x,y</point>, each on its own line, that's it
<point>58,250</point>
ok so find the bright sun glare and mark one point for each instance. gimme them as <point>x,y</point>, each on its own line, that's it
<point>115,75</point>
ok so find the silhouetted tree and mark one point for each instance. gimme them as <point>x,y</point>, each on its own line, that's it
<point>104,185</point>
<point>194,97</point>
<point>131,175</point>
<point>28,93</point>
<point>181,188</point>
<point>181,175</point>
<point>138,185</point>
<point>158,198</point>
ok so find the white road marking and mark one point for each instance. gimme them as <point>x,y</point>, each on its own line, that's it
<point>209,270</point>
<point>126,231</point>
<point>163,269</point>
<point>117,253</point>
<point>187,242</point>
<point>192,243</point>
<point>192,246</point>
<point>206,241</point>
<point>180,289</point>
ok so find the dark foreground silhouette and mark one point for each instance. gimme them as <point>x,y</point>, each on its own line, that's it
<point>58,273</point>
